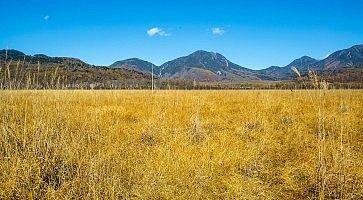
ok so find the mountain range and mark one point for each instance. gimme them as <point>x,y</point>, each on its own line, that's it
<point>210,66</point>
<point>204,66</point>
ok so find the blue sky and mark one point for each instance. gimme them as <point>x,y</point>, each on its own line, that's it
<point>254,34</point>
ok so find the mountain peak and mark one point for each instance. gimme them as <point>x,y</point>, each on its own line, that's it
<point>206,54</point>
<point>135,64</point>
<point>359,46</point>
<point>302,62</point>
<point>205,66</point>
<point>343,59</point>
<point>133,60</point>
<point>11,53</point>
<point>200,52</point>
<point>305,59</point>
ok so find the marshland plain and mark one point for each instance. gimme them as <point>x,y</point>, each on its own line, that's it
<point>259,144</point>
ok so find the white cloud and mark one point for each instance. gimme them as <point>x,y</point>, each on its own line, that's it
<point>218,31</point>
<point>153,31</point>
<point>46,17</point>
<point>162,33</point>
<point>157,31</point>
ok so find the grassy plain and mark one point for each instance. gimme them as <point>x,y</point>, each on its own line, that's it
<point>181,144</point>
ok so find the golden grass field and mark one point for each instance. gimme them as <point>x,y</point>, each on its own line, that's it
<point>181,144</point>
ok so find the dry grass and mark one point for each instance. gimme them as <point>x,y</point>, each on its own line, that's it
<point>181,144</point>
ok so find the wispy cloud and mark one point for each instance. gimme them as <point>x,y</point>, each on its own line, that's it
<point>46,17</point>
<point>218,31</point>
<point>157,31</point>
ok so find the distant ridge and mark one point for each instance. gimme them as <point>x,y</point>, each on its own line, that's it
<point>136,64</point>
<point>41,58</point>
<point>210,67</point>
<point>207,66</point>
<point>284,73</point>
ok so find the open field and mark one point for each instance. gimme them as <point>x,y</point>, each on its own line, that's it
<point>181,144</point>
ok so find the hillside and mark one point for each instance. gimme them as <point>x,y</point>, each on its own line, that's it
<point>136,65</point>
<point>343,66</point>
<point>346,58</point>
<point>18,70</point>
<point>340,63</point>
<point>213,67</point>
<point>206,66</point>
<point>285,73</point>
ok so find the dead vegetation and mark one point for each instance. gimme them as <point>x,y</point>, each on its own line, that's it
<point>181,144</point>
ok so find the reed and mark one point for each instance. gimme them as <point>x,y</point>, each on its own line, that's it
<point>181,144</point>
